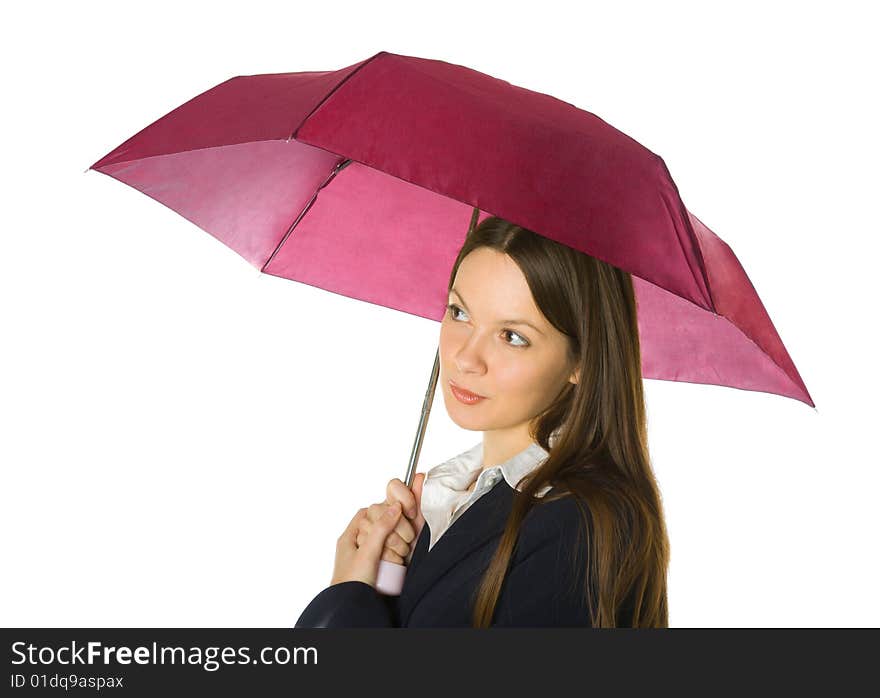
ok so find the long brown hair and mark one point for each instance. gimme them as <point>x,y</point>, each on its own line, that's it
<point>600,450</point>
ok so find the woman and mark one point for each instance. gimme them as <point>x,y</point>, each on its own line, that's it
<point>556,518</point>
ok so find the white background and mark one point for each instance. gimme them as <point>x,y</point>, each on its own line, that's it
<point>183,439</point>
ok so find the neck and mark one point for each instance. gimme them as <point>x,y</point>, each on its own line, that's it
<point>502,445</point>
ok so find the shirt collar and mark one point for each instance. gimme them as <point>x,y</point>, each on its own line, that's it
<point>445,488</point>
<point>459,472</point>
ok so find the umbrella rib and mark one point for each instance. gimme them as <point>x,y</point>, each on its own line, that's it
<point>698,250</point>
<point>330,93</point>
<point>336,170</point>
<point>795,380</point>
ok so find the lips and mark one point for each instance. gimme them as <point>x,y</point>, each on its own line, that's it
<point>463,394</point>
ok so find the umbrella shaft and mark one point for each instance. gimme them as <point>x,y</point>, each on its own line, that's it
<point>423,422</point>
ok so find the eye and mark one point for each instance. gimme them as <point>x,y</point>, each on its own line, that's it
<point>523,342</point>
<point>452,308</point>
<point>516,334</point>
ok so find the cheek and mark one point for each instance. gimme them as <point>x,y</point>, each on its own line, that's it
<point>516,376</point>
<point>452,337</point>
<point>448,347</point>
<point>525,381</point>
<point>445,340</point>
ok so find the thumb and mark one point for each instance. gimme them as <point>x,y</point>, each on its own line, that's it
<point>418,483</point>
<point>380,530</point>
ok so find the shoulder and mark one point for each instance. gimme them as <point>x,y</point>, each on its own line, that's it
<point>559,520</point>
<point>546,582</point>
<point>557,507</point>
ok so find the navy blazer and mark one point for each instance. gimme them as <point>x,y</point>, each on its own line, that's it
<point>544,586</point>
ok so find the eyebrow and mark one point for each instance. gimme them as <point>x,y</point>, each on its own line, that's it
<point>503,322</point>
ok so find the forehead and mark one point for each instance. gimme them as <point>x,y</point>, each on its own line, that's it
<point>492,281</point>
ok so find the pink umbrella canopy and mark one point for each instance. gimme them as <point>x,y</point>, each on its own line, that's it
<point>362,181</point>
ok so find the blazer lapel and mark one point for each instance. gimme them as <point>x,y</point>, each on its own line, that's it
<point>482,521</point>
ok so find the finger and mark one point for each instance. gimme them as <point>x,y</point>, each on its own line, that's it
<point>417,486</point>
<point>397,544</point>
<point>393,542</point>
<point>349,535</point>
<point>366,526</point>
<point>380,530</point>
<point>397,491</point>
<point>391,556</point>
<point>404,528</point>
<point>375,511</point>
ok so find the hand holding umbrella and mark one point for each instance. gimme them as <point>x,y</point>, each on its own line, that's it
<point>398,548</point>
<point>361,563</point>
<point>410,499</point>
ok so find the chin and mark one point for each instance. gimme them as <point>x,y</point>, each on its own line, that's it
<point>468,425</point>
<point>462,415</point>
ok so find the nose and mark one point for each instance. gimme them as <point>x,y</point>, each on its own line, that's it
<point>469,357</point>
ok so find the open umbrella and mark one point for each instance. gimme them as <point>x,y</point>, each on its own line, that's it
<point>364,182</point>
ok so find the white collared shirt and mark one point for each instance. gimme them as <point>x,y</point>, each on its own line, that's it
<point>444,492</point>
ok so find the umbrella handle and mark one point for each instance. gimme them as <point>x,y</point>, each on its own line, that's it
<point>390,578</point>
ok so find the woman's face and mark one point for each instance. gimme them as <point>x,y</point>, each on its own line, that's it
<point>518,368</point>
